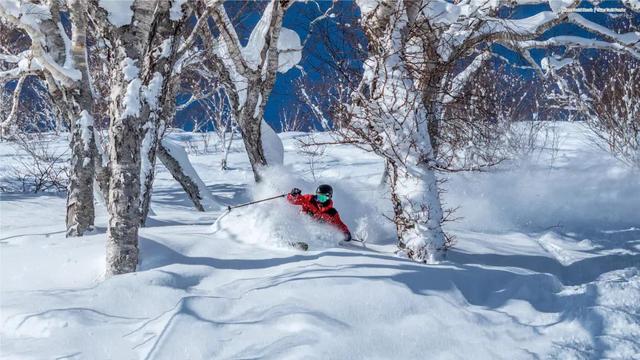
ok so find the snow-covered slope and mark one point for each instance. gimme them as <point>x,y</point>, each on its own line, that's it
<point>545,266</point>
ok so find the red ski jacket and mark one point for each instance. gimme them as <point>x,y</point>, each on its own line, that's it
<point>326,213</point>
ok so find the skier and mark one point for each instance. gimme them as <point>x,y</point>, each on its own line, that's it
<point>320,207</point>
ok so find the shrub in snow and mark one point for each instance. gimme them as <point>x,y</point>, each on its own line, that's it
<point>41,164</point>
<point>609,92</point>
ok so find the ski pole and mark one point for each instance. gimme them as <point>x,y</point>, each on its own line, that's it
<point>216,224</point>
<point>255,202</point>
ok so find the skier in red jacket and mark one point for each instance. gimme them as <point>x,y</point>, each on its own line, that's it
<point>320,207</point>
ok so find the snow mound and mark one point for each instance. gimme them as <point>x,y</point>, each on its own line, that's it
<point>271,144</point>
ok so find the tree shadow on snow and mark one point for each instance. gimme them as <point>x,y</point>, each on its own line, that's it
<point>229,194</point>
<point>159,255</point>
<point>577,273</point>
<point>174,197</point>
<point>226,194</point>
<point>487,287</point>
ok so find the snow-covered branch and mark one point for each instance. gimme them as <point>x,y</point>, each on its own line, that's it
<point>229,35</point>
<point>632,4</point>
<point>16,73</point>
<point>24,17</point>
<point>460,80</point>
<point>575,42</point>
<point>196,31</point>
<point>9,58</point>
<point>315,109</point>
<point>7,124</point>
<point>176,160</point>
<point>626,39</point>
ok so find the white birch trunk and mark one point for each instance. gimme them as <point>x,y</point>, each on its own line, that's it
<point>8,126</point>
<point>80,207</point>
<point>63,65</point>
<point>80,200</point>
<point>128,112</point>
<point>391,117</point>
<point>176,160</point>
<point>143,80</point>
<point>250,128</point>
<point>227,146</point>
<point>160,95</point>
<point>124,185</point>
<point>417,213</point>
<point>256,68</point>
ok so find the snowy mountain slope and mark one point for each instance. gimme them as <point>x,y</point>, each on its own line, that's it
<point>546,265</point>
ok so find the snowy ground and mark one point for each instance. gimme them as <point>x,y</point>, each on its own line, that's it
<point>545,266</point>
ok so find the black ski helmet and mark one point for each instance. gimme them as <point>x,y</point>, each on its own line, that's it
<point>325,190</point>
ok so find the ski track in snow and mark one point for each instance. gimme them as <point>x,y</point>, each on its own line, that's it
<point>534,274</point>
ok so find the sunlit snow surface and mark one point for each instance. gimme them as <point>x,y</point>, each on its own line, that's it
<point>546,265</point>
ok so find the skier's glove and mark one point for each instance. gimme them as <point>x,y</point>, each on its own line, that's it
<point>295,192</point>
<point>347,237</point>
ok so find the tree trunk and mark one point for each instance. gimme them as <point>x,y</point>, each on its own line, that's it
<point>260,78</point>
<point>126,113</point>
<point>80,207</point>
<point>141,73</point>
<point>8,126</point>
<point>417,212</point>
<point>226,147</point>
<point>251,132</point>
<point>162,107</point>
<point>148,165</point>
<point>124,194</point>
<point>101,162</point>
<point>189,185</point>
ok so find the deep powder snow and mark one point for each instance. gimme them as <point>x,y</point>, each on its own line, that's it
<point>545,265</point>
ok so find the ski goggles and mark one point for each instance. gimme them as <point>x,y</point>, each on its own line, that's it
<point>322,198</point>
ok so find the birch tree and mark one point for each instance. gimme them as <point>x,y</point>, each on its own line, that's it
<point>62,63</point>
<point>444,36</point>
<point>140,42</point>
<point>179,49</point>
<point>249,73</point>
